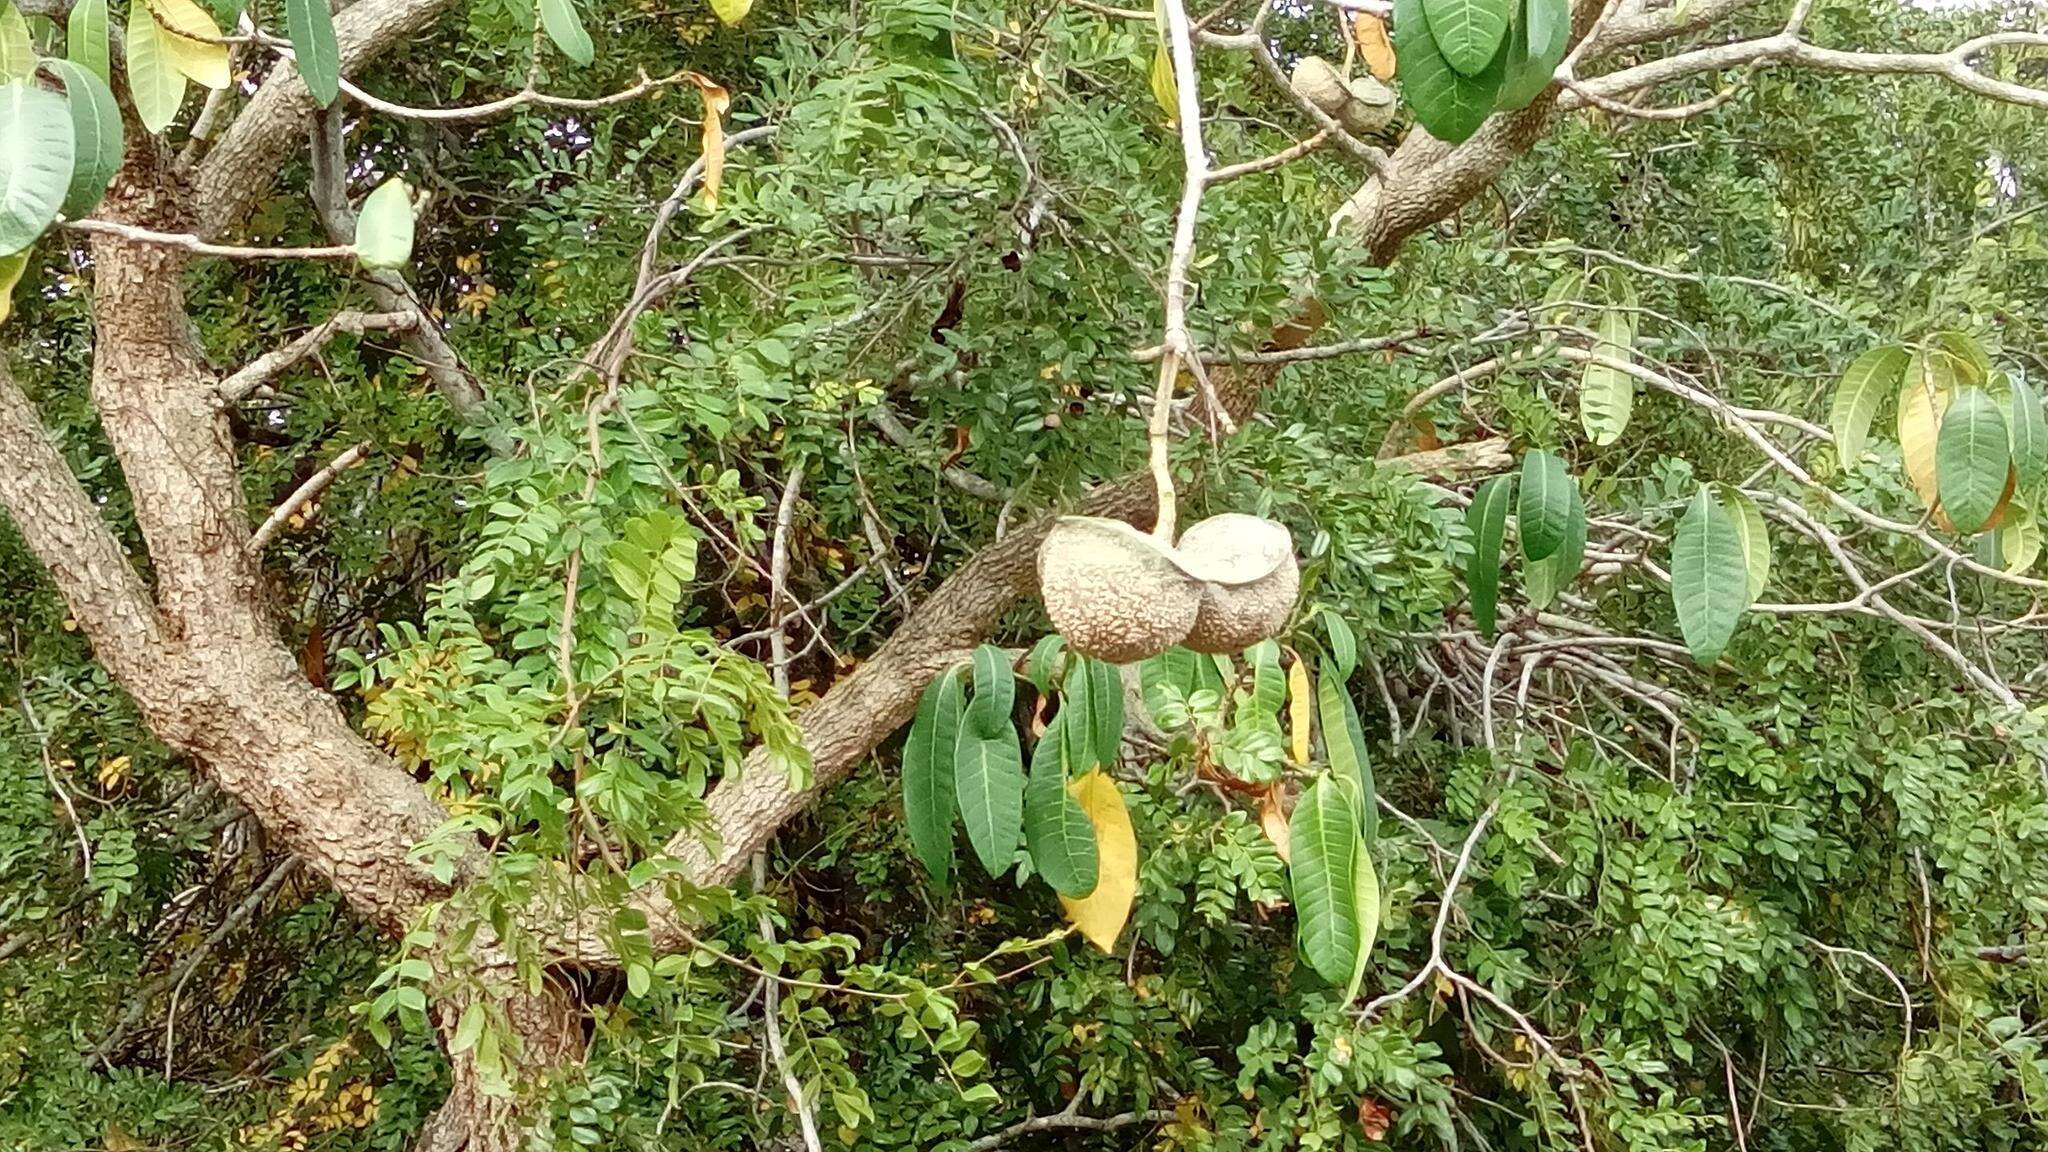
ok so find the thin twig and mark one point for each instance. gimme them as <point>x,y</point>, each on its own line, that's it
<point>303,495</point>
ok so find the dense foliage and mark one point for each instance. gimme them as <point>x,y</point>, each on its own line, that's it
<point>1778,900</point>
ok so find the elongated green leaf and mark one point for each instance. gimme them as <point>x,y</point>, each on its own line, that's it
<point>1077,707</point>
<point>1105,712</point>
<point>384,228</point>
<point>1344,744</point>
<point>154,81</point>
<point>1544,503</point>
<point>85,38</point>
<point>1450,104</point>
<point>988,765</point>
<point>1973,456</point>
<point>17,49</point>
<point>928,784</point>
<point>1925,392</point>
<point>565,28</point>
<point>1366,897</point>
<point>311,27</point>
<point>2019,541</point>
<point>2029,434</point>
<point>1709,576</point>
<point>1058,832</point>
<point>1044,660</point>
<point>1487,519</point>
<point>1343,643</point>
<point>1532,58</point>
<point>1607,394</point>
<point>1973,363</point>
<point>1871,378</point>
<point>1269,680</point>
<point>1323,845</point>
<point>1544,579</point>
<point>1756,541</point>
<point>35,162</point>
<point>96,136</point>
<point>1468,33</point>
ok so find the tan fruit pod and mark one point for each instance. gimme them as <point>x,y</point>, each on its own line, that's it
<point>1249,576</point>
<point>1114,592</point>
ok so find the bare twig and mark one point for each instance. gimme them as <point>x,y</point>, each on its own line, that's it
<point>303,495</point>
<point>268,367</point>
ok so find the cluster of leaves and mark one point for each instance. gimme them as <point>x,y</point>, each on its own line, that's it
<point>1462,60</point>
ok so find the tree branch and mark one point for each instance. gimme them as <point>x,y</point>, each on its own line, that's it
<point>265,369</point>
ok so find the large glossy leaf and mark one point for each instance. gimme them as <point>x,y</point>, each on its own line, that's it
<point>1365,888</point>
<point>1544,579</point>
<point>1344,744</point>
<point>85,38</point>
<point>1449,103</point>
<point>1926,389</point>
<point>1544,503</point>
<point>1973,456</point>
<point>1488,519</point>
<point>988,765</point>
<point>384,227</point>
<point>1607,395</point>
<point>928,775</point>
<point>1709,576</point>
<point>154,82</point>
<point>311,26</point>
<point>1061,839</point>
<point>1756,540</point>
<point>2029,434</point>
<point>191,41</point>
<point>1100,915</point>
<point>565,28</point>
<point>1323,847</point>
<point>35,162</point>
<point>1468,33</point>
<point>1532,62</point>
<point>96,136</point>
<point>17,49</point>
<point>1871,378</point>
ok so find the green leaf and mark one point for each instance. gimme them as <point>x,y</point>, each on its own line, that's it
<point>311,26</point>
<point>1324,846</point>
<point>1871,378</point>
<point>1972,458</point>
<point>928,775</point>
<point>154,80</point>
<point>1544,579</point>
<point>36,144</point>
<point>1365,887</point>
<point>17,48</point>
<point>1756,540</point>
<point>1709,576</point>
<point>1077,708</point>
<point>2029,434</point>
<point>1487,519</point>
<point>1973,363</point>
<point>12,266</point>
<point>96,136</point>
<point>1344,744</point>
<point>565,28</point>
<point>1532,61</point>
<point>85,38</point>
<point>988,765</point>
<point>2019,541</point>
<point>1543,504</point>
<point>467,1030</point>
<point>1468,33</point>
<point>1450,104</point>
<point>1061,838</point>
<point>1269,680</point>
<point>1044,659</point>
<point>1343,643</point>
<point>1607,394</point>
<point>1105,712</point>
<point>384,229</point>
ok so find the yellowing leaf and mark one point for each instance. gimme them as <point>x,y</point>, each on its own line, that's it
<point>1165,89</point>
<point>1369,31</point>
<point>1300,702</point>
<point>1924,397</point>
<point>11,268</point>
<point>154,82</point>
<point>716,101</point>
<point>2020,541</point>
<point>1273,821</point>
<point>191,43</point>
<point>731,12</point>
<point>1100,915</point>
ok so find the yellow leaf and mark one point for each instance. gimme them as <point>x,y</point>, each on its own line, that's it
<point>191,43</point>
<point>1164,88</point>
<point>1924,397</point>
<point>1369,31</point>
<point>731,12</point>
<point>716,101</point>
<point>11,268</point>
<point>1300,701</point>
<point>1100,915</point>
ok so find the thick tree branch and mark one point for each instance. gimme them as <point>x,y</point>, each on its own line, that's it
<point>265,369</point>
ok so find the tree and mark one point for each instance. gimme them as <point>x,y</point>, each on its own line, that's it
<point>531,691</point>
